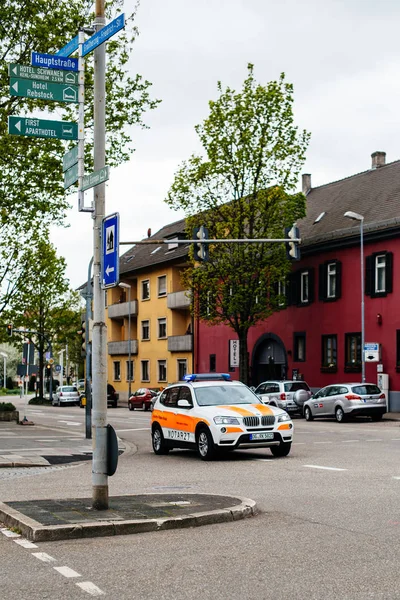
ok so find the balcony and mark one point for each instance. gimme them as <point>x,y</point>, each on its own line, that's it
<point>180,343</point>
<point>116,348</point>
<point>121,309</point>
<point>179,300</point>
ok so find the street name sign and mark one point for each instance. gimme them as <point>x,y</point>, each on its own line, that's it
<point>69,48</point>
<point>40,74</point>
<point>95,178</point>
<point>40,90</point>
<point>110,251</point>
<point>43,128</point>
<point>103,34</point>
<point>51,61</point>
<point>70,158</point>
<point>70,176</point>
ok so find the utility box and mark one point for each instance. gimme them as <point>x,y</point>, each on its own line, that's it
<point>383,384</point>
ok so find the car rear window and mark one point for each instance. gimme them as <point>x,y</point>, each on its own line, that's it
<point>293,386</point>
<point>364,390</point>
<point>69,388</point>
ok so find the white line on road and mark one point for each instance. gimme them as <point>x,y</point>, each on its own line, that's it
<point>134,429</point>
<point>264,459</point>
<point>349,441</point>
<point>322,442</point>
<point>298,443</point>
<point>374,440</point>
<point>25,543</point>
<point>325,468</point>
<point>44,557</point>
<point>8,533</point>
<point>395,440</point>
<point>395,477</point>
<point>70,423</point>
<point>89,587</point>
<point>67,572</point>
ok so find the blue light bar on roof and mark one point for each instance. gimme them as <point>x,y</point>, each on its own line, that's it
<point>208,377</point>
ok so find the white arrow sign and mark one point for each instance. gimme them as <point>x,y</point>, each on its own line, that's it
<point>18,125</point>
<point>109,270</point>
<point>15,86</point>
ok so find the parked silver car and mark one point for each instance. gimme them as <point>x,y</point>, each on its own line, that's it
<point>288,395</point>
<point>346,399</point>
<point>65,394</point>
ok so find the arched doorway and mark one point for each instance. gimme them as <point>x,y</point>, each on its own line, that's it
<point>269,360</point>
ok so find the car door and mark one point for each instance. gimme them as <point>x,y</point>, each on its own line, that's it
<point>138,398</point>
<point>166,415</point>
<point>318,402</point>
<point>330,400</point>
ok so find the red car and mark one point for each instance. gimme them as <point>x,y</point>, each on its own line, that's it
<point>142,398</point>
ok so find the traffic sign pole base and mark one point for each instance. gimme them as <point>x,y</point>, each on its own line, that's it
<point>26,422</point>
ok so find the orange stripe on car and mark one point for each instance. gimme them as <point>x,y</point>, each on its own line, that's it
<point>242,411</point>
<point>265,410</point>
<point>180,421</point>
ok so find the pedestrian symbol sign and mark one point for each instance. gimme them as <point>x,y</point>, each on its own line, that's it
<point>110,251</point>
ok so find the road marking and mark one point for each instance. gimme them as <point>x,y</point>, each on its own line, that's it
<point>264,459</point>
<point>10,534</point>
<point>25,543</point>
<point>298,443</point>
<point>395,477</point>
<point>325,468</point>
<point>89,587</point>
<point>395,440</point>
<point>70,423</point>
<point>322,442</point>
<point>374,440</point>
<point>349,441</point>
<point>134,429</point>
<point>44,557</point>
<point>67,572</point>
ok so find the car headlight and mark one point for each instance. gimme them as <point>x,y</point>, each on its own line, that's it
<point>284,417</point>
<point>226,421</point>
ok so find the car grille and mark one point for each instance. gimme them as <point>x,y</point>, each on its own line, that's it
<point>270,420</point>
<point>251,421</point>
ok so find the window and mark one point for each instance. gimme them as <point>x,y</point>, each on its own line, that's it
<point>213,363</point>
<point>352,352</point>
<point>330,281</point>
<point>170,397</point>
<point>145,370</point>
<point>162,328</point>
<point>162,370</point>
<point>329,353</point>
<point>129,371</point>
<point>182,368</point>
<point>145,289</point>
<point>162,285</point>
<point>282,292</point>
<point>145,330</point>
<point>300,288</point>
<point>299,347</point>
<point>304,283</point>
<point>117,371</point>
<point>379,274</point>
<point>186,394</point>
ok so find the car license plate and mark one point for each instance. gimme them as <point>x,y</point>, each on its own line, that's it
<point>262,436</point>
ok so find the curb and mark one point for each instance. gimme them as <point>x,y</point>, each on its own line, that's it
<point>36,532</point>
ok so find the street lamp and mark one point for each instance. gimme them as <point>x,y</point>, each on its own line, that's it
<point>356,217</point>
<point>128,287</point>
<point>4,355</point>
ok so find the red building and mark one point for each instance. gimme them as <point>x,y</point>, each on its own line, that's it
<point>317,335</point>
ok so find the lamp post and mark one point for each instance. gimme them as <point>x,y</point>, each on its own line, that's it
<point>128,287</point>
<point>4,355</point>
<point>356,217</point>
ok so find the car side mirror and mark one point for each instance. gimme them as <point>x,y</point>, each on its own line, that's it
<point>184,403</point>
<point>253,389</point>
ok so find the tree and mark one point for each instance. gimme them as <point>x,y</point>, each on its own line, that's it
<point>45,303</point>
<point>31,179</point>
<point>243,188</point>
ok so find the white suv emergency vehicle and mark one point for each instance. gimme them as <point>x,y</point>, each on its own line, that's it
<point>210,412</point>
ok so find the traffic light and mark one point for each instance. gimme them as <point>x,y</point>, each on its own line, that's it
<point>9,329</point>
<point>200,251</point>
<point>64,372</point>
<point>48,370</point>
<point>292,248</point>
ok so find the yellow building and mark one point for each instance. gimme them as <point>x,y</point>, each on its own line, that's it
<point>161,324</point>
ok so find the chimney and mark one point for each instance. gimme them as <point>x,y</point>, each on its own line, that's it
<point>306,183</point>
<point>378,159</point>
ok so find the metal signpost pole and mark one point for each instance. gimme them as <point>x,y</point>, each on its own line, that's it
<point>99,338</point>
<point>88,364</point>
<point>362,303</point>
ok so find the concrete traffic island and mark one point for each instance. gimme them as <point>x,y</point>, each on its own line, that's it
<point>51,520</point>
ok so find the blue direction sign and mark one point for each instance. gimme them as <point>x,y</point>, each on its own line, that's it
<point>52,61</point>
<point>69,48</point>
<point>110,251</point>
<point>103,34</point>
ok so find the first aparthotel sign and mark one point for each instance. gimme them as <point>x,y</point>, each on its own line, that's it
<point>51,61</point>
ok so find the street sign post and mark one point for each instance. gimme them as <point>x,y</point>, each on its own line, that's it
<point>40,90</point>
<point>69,48</point>
<point>110,251</point>
<point>95,178</point>
<point>71,176</point>
<point>372,352</point>
<point>70,158</point>
<point>41,74</point>
<point>103,34</point>
<point>43,128</point>
<point>51,61</point>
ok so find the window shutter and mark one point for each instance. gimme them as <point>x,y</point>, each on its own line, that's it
<point>291,289</point>
<point>311,285</point>
<point>322,282</point>
<point>338,279</point>
<point>369,275</point>
<point>389,272</point>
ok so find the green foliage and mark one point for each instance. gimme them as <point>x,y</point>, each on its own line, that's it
<point>6,407</point>
<point>39,400</point>
<point>243,188</point>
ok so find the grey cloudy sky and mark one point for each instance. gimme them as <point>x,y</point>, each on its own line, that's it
<point>342,57</point>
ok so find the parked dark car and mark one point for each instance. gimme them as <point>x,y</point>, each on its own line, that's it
<point>142,398</point>
<point>112,397</point>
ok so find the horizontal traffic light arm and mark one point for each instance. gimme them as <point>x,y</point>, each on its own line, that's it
<point>209,241</point>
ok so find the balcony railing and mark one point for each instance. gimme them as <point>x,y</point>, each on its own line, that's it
<point>121,309</point>
<point>115,348</point>
<point>179,300</point>
<point>180,343</point>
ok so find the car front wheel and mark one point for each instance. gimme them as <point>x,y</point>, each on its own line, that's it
<point>308,414</point>
<point>339,414</point>
<point>130,406</point>
<point>205,444</point>
<point>282,450</point>
<point>157,438</point>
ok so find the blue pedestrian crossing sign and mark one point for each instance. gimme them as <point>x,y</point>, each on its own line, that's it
<point>110,251</point>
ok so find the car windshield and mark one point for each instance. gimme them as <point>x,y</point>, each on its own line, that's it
<point>225,394</point>
<point>293,386</point>
<point>69,388</point>
<point>366,389</point>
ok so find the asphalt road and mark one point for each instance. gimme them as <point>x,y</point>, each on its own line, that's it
<point>328,526</point>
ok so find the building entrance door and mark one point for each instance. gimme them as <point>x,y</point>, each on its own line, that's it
<point>269,360</point>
